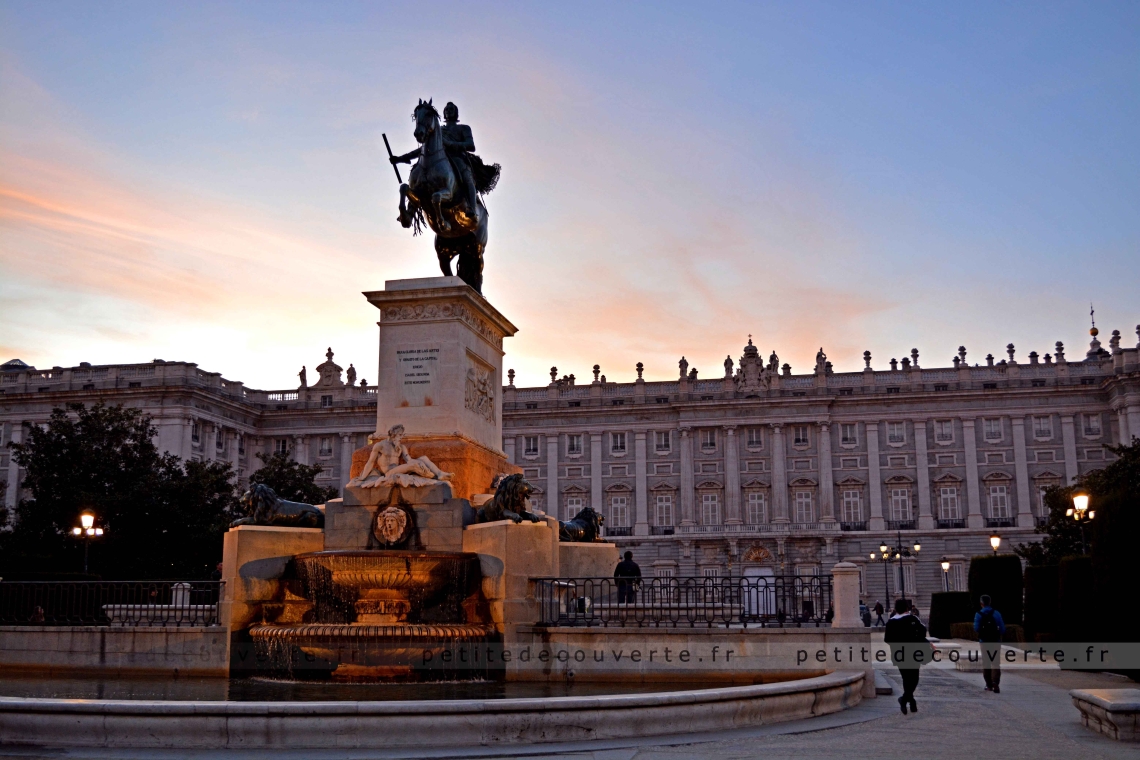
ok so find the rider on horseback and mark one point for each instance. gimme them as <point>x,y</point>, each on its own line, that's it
<point>460,145</point>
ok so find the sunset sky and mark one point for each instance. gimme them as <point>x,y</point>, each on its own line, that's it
<point>207,182</point>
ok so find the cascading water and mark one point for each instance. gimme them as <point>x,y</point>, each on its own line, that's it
<point>380,615</point>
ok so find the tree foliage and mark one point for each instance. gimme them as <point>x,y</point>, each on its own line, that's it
<point>163,518</point>
<point>292,480</point>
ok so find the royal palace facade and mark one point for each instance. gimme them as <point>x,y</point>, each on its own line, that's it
<point>758,472</point>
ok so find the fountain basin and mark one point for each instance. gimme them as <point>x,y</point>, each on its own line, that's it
<point>417,724</point>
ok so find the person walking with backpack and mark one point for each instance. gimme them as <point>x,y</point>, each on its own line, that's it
<point>990,628</point>
<point>879,612</point>
<point>907,636</point>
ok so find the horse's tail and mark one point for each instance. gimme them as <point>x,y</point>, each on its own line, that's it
<point>418,221</point>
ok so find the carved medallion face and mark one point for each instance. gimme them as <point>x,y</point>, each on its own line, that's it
<point>391,525</point>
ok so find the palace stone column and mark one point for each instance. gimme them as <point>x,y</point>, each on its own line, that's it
<point>731,476</point>
<point>779,475</point>
<point>874,479</point>
<point>974,517</point>
<point>596,470</point>
<point>12,495</point>
<point>641,484</point>
<point>553,503</point>
<point>188,439</point>
<point>826,478</point>
<point>509,449</point>
<point>300,450</point>
<point>922,460</point>
<point>1069,438</point>
<point>1021,471</point>
<point>346,449</point>
<point>686,476</point>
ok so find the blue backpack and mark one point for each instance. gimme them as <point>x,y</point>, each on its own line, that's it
<point>988,628</point>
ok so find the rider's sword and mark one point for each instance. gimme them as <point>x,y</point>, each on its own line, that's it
<point>390,155</point>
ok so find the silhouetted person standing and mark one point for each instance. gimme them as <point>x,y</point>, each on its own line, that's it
<point>990,628</point>
<point>905,629</point>
<point>628,576</point>
<point>879,614</point>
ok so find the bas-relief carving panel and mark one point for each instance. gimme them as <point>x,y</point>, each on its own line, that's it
<point>431,311</point>
<point>479,394</point>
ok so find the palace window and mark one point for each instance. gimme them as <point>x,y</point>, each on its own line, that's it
<point>849,464</point>
<point>1043,427</point>
<point>755,439</point>
<point>574,444</point>
<point>756,510</point>
<point>711,572</point>
<point>708,439</point>
<point>530,445</point>
<point>326,401</point>
<point>896,461</point>
<point>281,446</point>
<point>945,460</point>
<point>944,431</point>
<point>664,509</point>
<point>800,435</point>
<point>663,469</point>
<point>710,509</point>
<point>852,499</point>
<point>574,505</point>
<point>896,432</point>
<point>992,428</point>
<point>241,444</point>
<point>900,504</point>
<point>999,502</point>
<point>804,511</point>
<point>219,440</point>
<point>957,577</point>
<point>619,511</point>
<point>195,432</point>
<point>1092,425</point>
<point>662,572</point>
<point>848,434</point>
<point>617,443</point>
<point>326,447</point>
<point>618,470</point>
<point>949,507</point>
<point>663,441</point>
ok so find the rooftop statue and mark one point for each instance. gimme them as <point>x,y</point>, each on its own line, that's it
<point>445,189</point>
<point>390,464</point>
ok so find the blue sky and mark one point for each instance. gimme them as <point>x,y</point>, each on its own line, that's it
<point>206,182</point>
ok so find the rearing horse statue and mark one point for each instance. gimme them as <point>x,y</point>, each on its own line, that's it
<point>439,192</point>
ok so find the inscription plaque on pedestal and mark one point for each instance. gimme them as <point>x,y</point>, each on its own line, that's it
<point>416,371</point>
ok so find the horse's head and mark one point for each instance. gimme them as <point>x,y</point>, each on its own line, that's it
<point>427,121</point>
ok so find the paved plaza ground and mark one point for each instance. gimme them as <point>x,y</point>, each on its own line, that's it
<point>1033,718</point>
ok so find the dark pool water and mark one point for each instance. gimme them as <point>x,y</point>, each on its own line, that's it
<point>266,690</point>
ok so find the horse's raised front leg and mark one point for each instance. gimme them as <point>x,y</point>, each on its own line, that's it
<point>438,199</point>
<point>404,218</point>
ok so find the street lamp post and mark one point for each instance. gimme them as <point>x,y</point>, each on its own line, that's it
<point>1082,514</point>
<point>945,575</point>
<point>85,532</point>
<point>995,542</point>
<point>898,551</point>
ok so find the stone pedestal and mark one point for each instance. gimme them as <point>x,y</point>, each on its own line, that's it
<point>593,560</point>
<point>441,362</point>
<point>254,558</point>
<point>845,589</point>
<point>510,554</point>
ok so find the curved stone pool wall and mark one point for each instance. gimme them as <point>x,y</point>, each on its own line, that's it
<point>345,725</point>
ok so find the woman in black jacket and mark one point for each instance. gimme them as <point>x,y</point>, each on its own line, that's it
<point>909,650</point>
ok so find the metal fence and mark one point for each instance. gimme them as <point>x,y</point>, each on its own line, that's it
<point>765,601</point>
<point>111,603</point>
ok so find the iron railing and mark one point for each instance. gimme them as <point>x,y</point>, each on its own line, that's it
<point>765,601</point>
<point>110,603</point>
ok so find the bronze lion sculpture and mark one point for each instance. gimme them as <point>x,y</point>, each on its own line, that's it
<point>586,526</point>
<point>264,507</point>
<point>509,502</point>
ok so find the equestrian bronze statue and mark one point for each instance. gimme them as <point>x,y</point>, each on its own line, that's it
<point>445,189</point>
